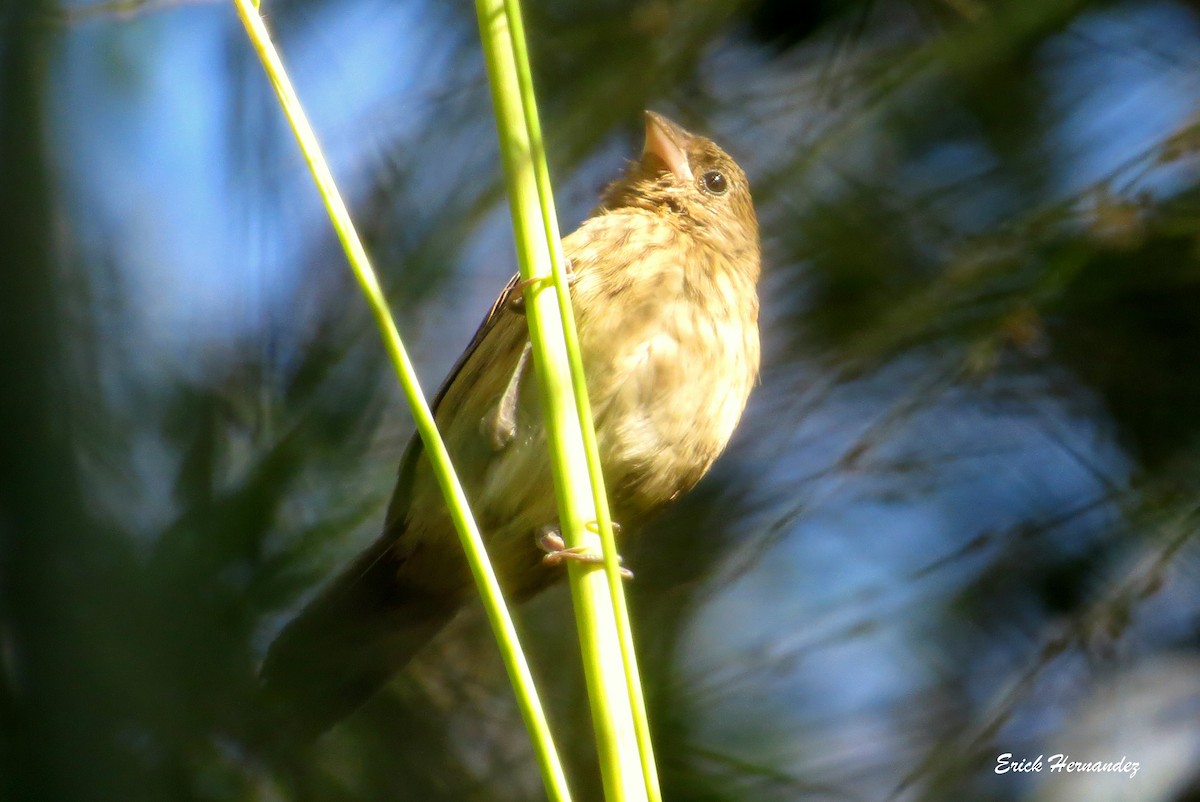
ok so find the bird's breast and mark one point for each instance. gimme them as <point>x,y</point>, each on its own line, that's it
<point>671,360</point>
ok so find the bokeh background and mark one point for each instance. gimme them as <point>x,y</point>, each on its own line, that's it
<point>958,520</point>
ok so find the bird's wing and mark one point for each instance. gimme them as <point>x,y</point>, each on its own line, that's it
<point>416,445</point>
<point>489,320</point>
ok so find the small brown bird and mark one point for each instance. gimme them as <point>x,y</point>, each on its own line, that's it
<point>664,277</point>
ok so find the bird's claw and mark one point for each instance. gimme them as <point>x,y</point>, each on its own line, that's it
<point>516,301</point>
<point>594,526</point>
<point>557,552</point>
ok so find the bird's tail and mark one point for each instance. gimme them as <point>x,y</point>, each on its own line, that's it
<point>347,643</point>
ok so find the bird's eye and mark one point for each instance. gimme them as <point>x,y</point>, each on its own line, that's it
<point>714,182</point>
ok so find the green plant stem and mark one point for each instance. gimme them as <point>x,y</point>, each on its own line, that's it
<point>618,710</point>
<point>435,448</point>
<point>612,564</point>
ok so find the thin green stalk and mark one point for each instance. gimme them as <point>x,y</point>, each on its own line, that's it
<point>489,587</point>
<point>614,689</point>
<point>612,566</point>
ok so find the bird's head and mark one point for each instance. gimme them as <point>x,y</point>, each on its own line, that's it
<point>690,180</point>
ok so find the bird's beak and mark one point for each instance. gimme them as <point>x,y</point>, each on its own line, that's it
<point>668,143</point>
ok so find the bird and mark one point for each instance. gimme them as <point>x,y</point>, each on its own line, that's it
<point>663,282</point>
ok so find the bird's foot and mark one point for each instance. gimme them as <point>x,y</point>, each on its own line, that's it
<point>594,526</point>
<point>516,300</point>
<point>557,552</point>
